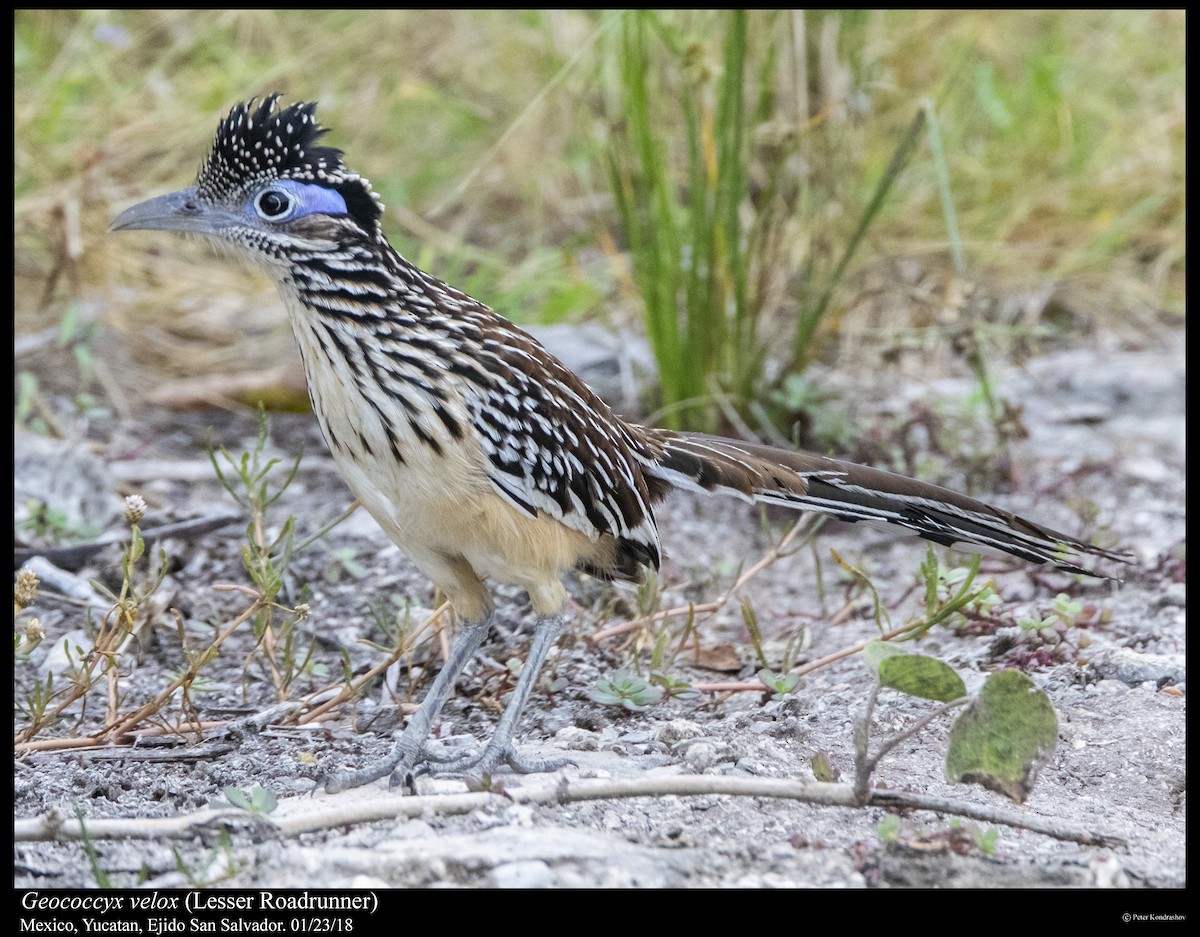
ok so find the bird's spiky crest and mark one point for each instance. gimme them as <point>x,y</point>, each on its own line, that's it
<point>256,145</point>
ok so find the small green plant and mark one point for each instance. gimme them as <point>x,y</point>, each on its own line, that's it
<point>260,802</point>
<point>647,594</point>
<point>98,874</point>
<point>34,706</point>
<point>950,581</point>
<point>266,562</point>
<point>1067,609</point>
<point>1055,636</point>
<point>957,838</point>
<point>393,617</point>
<point>130,599</point>
<point>1005,733</point>
<point>48,524</point>
<point>550,683</point>
<point>1045,638</point>
<point>675,687</point>
<point>888,828</point>
<point>1007,729</point>
<point>196,684</point>
<point>952,593</point>
<point>750,619</point>
<point>822,426</point>
<point>1043,628</point>
<point>267,559</point>
<point>796,643</point>
<point>860,578</point>
<point>625,689</point>
<point>217,866</point>
<point>985,840</point>
<point>344,560</point>
<point>29,405</point>
<point>780,685</point>
<point>26,641</point>
<point>76,330</point>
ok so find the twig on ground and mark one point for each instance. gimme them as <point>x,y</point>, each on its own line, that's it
<point>298,815</point>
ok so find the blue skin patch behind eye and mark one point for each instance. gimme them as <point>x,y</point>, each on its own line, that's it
<point>310,199</point>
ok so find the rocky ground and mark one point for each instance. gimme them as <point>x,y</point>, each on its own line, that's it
<point>1106,430</point>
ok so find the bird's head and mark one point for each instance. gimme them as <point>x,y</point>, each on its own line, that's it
<point>266,189</point>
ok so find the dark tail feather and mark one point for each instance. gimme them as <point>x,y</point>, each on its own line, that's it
<point>858,493</point>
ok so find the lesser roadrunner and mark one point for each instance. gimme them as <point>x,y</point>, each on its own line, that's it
<point>478,452</point>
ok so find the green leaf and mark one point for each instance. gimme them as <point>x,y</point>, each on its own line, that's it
<point>263,800</point>
<point>888,829</point>
<point>823,769</point>
<point>915,674</point>
<point>875,652</point>
<point>260,800</point>
<point>674,687</point>
<point>986,841</point>
<point>922,676</point>
<point>1003,737</point>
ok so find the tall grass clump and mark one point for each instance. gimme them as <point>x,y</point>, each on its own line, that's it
<point>713,195</point>
<point>681,211</point>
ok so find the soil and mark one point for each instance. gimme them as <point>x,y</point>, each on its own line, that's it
<point>1106,435</point>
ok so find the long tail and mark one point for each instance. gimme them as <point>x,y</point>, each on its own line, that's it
<point>857,493</point>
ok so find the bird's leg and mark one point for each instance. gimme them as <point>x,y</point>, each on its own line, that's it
<point>500,750</point>
<point>407,750</point>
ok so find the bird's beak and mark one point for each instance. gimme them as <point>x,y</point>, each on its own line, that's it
<point>178,211</point>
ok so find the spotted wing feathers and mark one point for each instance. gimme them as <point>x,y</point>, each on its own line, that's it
<point>554,447</point>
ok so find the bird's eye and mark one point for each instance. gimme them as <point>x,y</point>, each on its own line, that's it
<point>274,204</point>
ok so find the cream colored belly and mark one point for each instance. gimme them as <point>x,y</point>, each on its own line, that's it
<point>442,512</point>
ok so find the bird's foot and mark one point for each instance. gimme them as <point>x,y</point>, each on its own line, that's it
<point>405,763</point>
<point>399,764</point>
<point>409,750</point>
